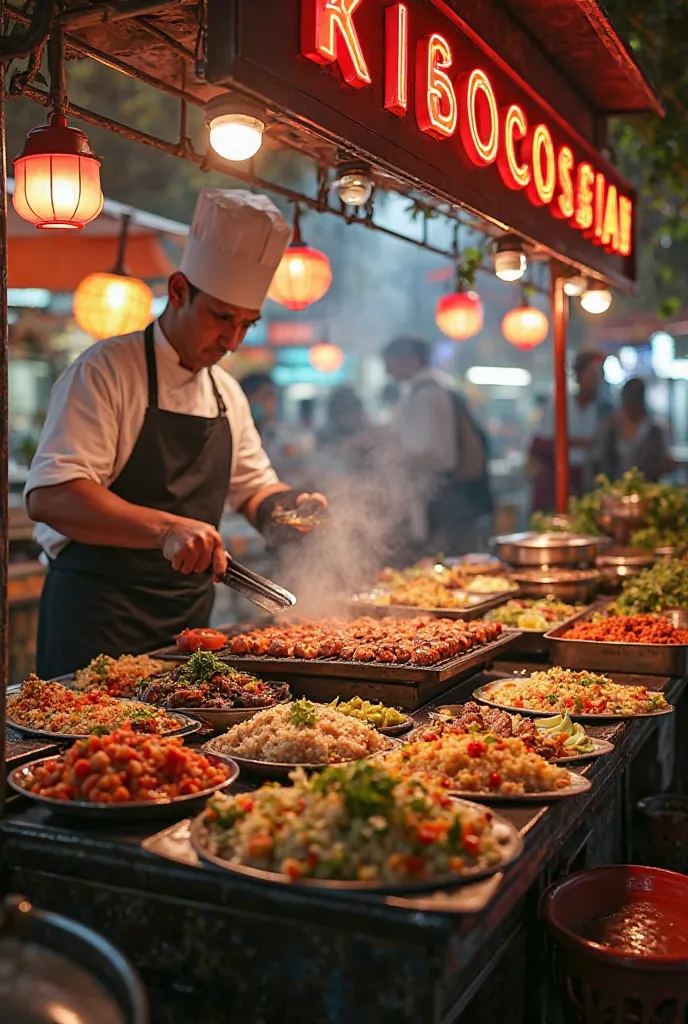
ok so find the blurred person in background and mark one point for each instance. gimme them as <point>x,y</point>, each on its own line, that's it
<point>444,452</point>
<point>586,412</point>
<point>289,445</point>
<point>349,443</point>
<point>632,439</point>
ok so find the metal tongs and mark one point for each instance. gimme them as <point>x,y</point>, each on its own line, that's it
<point>255,588</point>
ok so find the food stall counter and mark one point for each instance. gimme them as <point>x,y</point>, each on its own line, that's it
<point>198,935</point>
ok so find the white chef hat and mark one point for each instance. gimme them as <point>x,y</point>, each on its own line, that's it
<point>236,242</point>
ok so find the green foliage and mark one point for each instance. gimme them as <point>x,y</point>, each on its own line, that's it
<point>665,520</point>
<point>652,151</point>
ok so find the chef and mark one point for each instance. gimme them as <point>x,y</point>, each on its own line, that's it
<point>145,440</point>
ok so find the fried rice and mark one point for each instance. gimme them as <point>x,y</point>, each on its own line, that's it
<point>302,733</point>
<point>480,764</point>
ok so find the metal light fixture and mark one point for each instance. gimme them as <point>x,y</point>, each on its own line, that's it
<point>113,304</point>
<point>509,259</point>
<point>354,183</point>
<point>596,298</point>
<point>57,174</point>
<point>303,275</point>
<point>236,126</point>
<point>575,285</point>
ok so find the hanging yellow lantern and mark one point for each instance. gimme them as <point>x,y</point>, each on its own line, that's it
<point>326,358</point>
<point>525,327</point>
<point>109,305</point>
<point>303,276</point>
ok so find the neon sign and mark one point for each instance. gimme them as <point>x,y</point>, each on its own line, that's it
<point>429,84</point>
<point>328,34</point>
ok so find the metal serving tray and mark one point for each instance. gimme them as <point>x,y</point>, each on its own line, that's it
<point>476,606</point>
<point>613,656</point>
<point>534,641</point>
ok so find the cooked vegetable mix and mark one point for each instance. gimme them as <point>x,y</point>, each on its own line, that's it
<point>360,822</point>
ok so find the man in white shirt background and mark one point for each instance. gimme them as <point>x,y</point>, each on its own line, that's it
<point>444,454</point>
<point>142,446</point>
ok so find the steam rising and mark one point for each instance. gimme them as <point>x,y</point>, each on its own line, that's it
<point>367,528</point>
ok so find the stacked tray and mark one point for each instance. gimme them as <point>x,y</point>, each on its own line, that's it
<point>615,656</point>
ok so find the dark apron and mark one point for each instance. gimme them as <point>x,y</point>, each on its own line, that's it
<point>109,600</point>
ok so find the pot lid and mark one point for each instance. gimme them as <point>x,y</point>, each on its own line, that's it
<point>551,539</point>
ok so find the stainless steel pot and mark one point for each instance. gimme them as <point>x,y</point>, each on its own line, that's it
<point>541,583</point>
<point>547,550</point>
<point>622,516</point>
<point>619,564</point>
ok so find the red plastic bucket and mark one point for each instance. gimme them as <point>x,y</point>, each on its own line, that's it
<point>601,984</point>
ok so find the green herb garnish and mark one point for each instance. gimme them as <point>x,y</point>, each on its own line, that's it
<point>302,712</point>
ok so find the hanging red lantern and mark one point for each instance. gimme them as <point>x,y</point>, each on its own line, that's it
<point>303,276</point>
<point>459,315</point>
<point>525,327</point>
<point>326,358</point>
<point>57,177</point>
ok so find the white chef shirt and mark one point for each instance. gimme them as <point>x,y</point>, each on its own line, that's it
<point>96,412</point>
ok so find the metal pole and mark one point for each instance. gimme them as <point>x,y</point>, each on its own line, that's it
<point>560,309</point>
<point>4,429</point>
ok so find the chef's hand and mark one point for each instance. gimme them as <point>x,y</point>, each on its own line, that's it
<point>194,546</point>
<point>312,504</point>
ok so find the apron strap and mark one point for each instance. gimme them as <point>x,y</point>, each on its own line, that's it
<point>149,346</point>
<point>221,407</point>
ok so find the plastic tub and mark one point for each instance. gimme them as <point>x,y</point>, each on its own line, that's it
<point>663,825</point>
<point>605,985</point>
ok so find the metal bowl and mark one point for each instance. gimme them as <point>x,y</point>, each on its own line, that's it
<point>621,516</point>
<point>619,563</point>
<point>580,589</point>
<point>51,964</point>
<point>546,550</point>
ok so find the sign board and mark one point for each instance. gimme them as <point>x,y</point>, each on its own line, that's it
<point>410,87</point>
<point>290,332</point>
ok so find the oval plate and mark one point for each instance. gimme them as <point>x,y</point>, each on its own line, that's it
<point>187,726</point>
<point>483,694</point>
<point>508,835</point>
<point>220,719</point>
<point>399,729</point>
<point>149,810</point>
<point>600,746</point>
<point>579,784</point>
<point>280,769</point>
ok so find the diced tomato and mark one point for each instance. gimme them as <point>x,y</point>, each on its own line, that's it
<point>494,780</point>
<point>471,845</point>
<point>293,869</point>
<point>430,736</point>
<point>430,831</point>
<point>475,748</point>
<point>82,768</point>
<point>190,640</point>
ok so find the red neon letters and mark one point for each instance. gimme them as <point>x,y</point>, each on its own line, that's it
<point>447,96</point>
<point>328,34</point>
<point>515,174</point>
<point>479,119</point>
<point>436,106</point>
<point>396,59</point>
